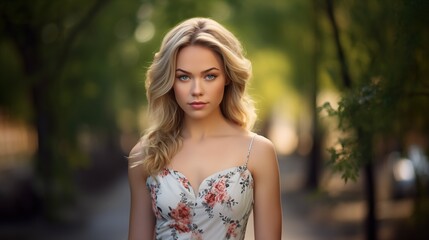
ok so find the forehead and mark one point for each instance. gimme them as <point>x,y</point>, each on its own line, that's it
<point>196,57</point>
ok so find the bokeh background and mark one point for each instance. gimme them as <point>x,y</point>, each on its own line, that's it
<point>341,89</point>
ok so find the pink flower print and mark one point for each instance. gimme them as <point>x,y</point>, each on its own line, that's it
<point>231,230</point>
<point>184,182</point>
<point>182,217</point>
<point>210,199</point>
<point>221,197</point>
<point>219,187</point>
<point>217,194</point>
<point>164,172</point>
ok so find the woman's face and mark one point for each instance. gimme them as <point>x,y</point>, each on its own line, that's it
<point>200,81</point>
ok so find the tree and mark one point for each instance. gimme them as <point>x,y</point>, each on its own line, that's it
<point>389,93</point>
<point>54,82</point>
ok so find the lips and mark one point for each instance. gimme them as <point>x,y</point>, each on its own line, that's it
<point>197,105</point>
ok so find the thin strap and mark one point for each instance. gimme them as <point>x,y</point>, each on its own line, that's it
<point>248,151</point>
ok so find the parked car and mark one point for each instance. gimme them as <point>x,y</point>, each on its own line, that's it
<point>406,169</point>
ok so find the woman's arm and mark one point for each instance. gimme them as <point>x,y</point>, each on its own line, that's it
<point>267,206</point>
<point>142,220</point>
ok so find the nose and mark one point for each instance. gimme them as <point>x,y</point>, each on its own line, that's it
<point>197,88</point>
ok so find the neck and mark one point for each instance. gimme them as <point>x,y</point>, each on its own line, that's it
<point>208,127</point>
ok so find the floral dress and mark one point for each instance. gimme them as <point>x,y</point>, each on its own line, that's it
<point>219,210</point>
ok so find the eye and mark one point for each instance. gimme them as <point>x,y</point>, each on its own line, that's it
<point>210,77</point>
<point>183,77</point>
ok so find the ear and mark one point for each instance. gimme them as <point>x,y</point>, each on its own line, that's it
<point>227,82</point>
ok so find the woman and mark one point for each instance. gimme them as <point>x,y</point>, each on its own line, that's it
<point>199,171</point>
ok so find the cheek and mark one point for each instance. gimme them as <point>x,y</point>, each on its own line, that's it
<point>220,92</point>
<point>178,93</point>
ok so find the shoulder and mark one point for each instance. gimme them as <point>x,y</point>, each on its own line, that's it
<point>262,155</point>
<point>262,146</point>
<point>135,160</point>
<point>136,153</point>
<point>136,150</point>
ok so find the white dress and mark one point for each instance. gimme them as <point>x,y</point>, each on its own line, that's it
<point>219,210</point>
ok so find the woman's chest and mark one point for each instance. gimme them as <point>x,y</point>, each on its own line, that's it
<point>226,192</point>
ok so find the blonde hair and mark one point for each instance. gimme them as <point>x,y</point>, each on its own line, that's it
<point>163,139</point>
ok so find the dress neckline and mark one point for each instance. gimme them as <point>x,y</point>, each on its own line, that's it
<point>196,192</point>
<point>218,173</point>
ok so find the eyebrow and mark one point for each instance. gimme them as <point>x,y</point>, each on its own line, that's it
<point>208,70</point>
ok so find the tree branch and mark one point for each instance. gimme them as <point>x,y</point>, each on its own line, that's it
<point>80,26</point>
<point>344,69</point>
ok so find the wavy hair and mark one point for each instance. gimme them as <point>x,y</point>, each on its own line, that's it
<point>163,139</point>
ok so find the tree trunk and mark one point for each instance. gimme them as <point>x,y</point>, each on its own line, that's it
<point>313,175</point>
<point>48,169</point>
<point>371,223</point>
<point>345,75</point>
<point>44,163</point>
<point>364,138</point>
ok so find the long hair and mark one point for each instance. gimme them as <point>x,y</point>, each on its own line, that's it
<point>163,138</point>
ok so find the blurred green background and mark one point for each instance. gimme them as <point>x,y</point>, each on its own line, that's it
<point>341,88</point>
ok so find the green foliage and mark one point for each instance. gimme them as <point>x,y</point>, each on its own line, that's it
<point>390,93</point>
<point>357,114</point>
<point>77,56</point>
<point>60,74</point>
